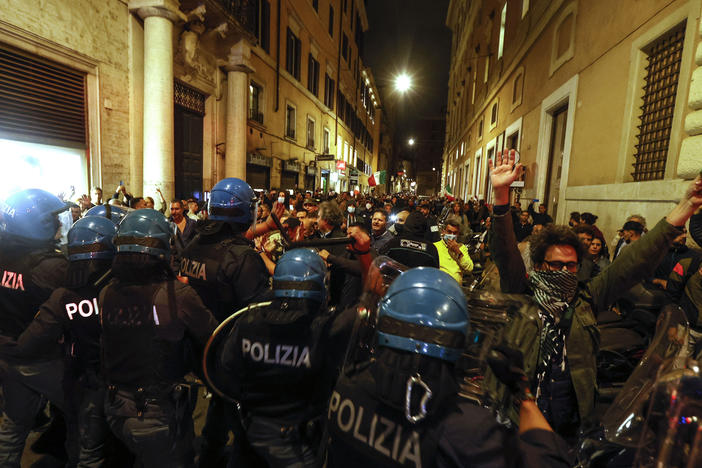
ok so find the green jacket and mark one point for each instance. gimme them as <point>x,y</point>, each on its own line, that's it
<point>635,263</point>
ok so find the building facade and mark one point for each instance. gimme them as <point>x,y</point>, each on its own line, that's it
<point>177,94</point>
<point>599,99</point>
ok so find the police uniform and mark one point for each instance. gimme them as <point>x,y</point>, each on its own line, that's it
<point>402,408</point>
<point>284,357</point>
<point>228,275</point>
<point>30,270</point>
<point>147,318</point>
<point>365,431</point>
<point>411,247</point>
<point>225,271</point>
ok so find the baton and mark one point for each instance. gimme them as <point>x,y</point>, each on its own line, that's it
<point>321,242</point>
<point>283,233</point>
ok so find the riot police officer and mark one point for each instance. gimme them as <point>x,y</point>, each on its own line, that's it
<point>73,312</point>
<point>147,315</point>
<point>402,409</point>
<point>31,269</point>
<point>411,247</point>
<point>227,274</point>
<point>280,362</point>
<point>115,213</point>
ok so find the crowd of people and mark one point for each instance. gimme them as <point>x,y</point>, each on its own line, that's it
<point>328,327</point>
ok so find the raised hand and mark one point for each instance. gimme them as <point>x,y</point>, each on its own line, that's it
<point>504,171</point>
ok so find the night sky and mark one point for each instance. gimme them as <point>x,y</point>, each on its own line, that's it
<point>410,35</point>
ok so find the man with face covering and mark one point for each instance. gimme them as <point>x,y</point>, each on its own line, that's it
<point>562,369</point>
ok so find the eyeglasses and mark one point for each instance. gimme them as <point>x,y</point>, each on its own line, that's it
<point>557,265</point>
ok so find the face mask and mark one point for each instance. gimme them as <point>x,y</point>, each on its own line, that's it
<point>368,206</point>
<point>449,237</point>
<point>281,199</point>
<point>351,209</point>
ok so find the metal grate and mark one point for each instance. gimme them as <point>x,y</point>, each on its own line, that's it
<point>659,90</point>
<point>189,98</point>
<point>40,98</point>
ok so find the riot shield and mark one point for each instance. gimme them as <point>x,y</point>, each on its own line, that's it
<point>672,426</point>
<point>216,379</point>
<point>382,272</point>
<point>496,318</point>
<point>624,422</point>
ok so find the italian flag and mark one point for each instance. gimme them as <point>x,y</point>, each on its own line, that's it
<point>377,178</point>
<point>448,192</point>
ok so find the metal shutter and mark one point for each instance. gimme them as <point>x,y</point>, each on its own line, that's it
<point>40,99</point>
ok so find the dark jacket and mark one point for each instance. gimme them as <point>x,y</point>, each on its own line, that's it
<point>633,265</point>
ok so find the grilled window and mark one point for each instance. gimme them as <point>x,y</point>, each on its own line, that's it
<point>188,98</point>
<point>660,88</point>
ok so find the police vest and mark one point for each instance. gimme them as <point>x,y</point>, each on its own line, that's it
<point>26,282</point>
<point>411,252</point>
<point>142,337</point>
<point>365,432</point>
<point>79,311</point>
<point>202,263</point>
<point>278,356</point>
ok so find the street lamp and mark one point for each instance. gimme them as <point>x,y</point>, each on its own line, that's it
<point>410,142</point>
<point>403,82</point>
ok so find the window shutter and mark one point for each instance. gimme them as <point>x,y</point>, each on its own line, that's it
<point>40,99</point>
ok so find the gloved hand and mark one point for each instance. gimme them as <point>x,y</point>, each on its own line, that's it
<point>508,365</point>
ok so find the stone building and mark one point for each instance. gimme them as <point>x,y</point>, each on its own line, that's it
<point>600,99</point>
<point>177,94</point>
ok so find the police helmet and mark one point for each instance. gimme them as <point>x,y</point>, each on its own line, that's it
<point>144,231</point>
<point>115,213</point>
<point>233,201</point>
<point>300,273</point>
<point>32,214</point>
<point>91,238</point>
<point>424,311</point>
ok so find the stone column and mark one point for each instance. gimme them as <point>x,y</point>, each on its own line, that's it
<point>159,17</point>
<point>238,66</point>
<point>691,148</point>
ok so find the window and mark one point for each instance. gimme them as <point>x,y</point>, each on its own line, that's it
<point>315,5</point>
<point>493,116</point>
<point>310,133</point>
<point>475,84</point>
<point>487,69</point>
<point>290,112</point>
<point>313,75</point>
<point>480,129</point>
<point>658,104</point>
<point>263,25</point>
<point>503,22</point>
<point>331,21</point>
<point>325,141</point>
<point>563,45</point>
<point>328,91</point>
<point>255,102</point>
<point>517,88</point>
<point>292,59</point>
<point>345,47</point>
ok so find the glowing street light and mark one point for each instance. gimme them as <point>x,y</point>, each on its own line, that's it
<point>403,82</point>
<point>410,142</point>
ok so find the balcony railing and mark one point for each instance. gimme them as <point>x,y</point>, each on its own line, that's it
<point>256,116</point>
<point>244,11</point>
